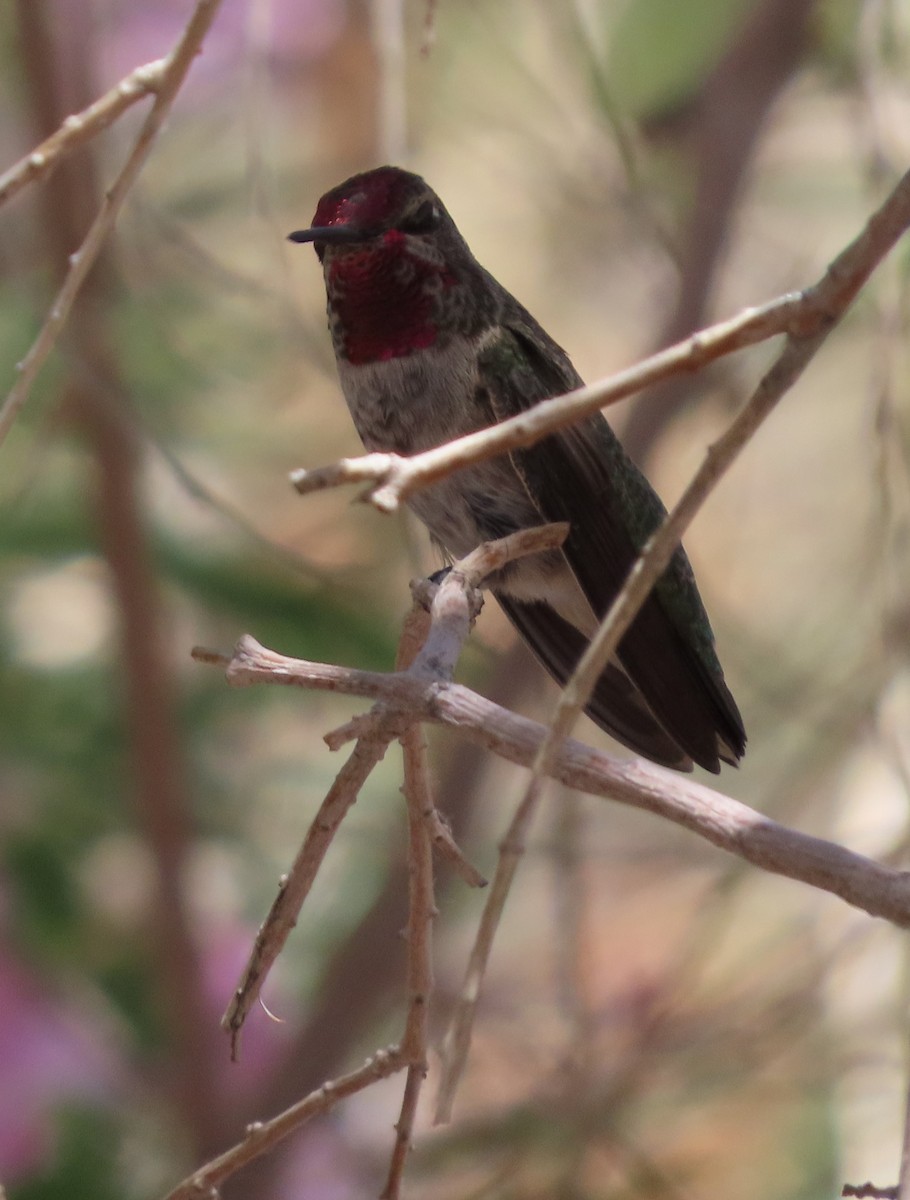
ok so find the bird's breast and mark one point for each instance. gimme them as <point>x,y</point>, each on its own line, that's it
<point>383,301</point>
<point>412,403</point>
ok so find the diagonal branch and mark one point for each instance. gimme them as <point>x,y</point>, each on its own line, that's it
<point>830,297</point>
<point>458,1037</point>
<point>261,1136</point>
<point>800,315</point>
<point>429,650</point>
<point>296,885</point>
<point>177,64</point>
<point>724,822</point>
<point>81,127</point>
<point>655,557</point>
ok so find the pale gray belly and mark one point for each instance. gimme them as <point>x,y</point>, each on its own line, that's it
<point>416,403</point>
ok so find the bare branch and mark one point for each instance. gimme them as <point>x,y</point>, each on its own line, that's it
<point>81,127</point>
<point>800,315</point>
<point>403,1129</point>
<point>458,1038</point>
<point>174,71</point>
<point>394,478</point>
<point>421,905</point>
<point>262,1136</point>
<point>434,644</point>
<point>296,885</point>
<point>446,845</point>
<point>718,819</point>
<point>421,913</point>
<point>830,299</point>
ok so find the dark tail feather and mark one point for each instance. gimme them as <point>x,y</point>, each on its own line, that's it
<point>616,705</point>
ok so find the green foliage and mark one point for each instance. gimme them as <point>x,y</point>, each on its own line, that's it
<point>660,50</point>
<point>82,1166</point>
<point>690,1062</point>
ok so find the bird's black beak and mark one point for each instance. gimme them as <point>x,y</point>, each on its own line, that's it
<point>333,235</point>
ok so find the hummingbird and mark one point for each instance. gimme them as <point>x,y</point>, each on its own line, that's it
<point>429,347</point>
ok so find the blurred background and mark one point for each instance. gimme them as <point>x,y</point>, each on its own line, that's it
<point>658,1020</point>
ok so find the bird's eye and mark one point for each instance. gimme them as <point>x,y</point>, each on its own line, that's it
<point>423,219</point>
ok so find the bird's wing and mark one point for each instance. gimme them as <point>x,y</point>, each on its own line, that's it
<point>616,704</point>
<point>582,475</point>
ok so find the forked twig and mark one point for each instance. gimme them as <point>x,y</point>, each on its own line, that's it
<point>430,646</point>
<point>829,300</point>
<point>726,823</point>
<point>428,649</point>
<point>425,691</point>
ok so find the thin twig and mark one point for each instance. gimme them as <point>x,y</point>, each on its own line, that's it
<point>429,648</point>
<point>81,127</point>
<point>421,904</point>
<point>458,1038</point>
<point>394,478</point>
<point>660,547</point>
<point>454,1055</point>
<point>801,315</point>
<point>421,912</point>
<point>457,600</point>
<point>296,885</point>
<point>570,903</point>
<point>903,1182</point>
<point>404,1127</point>
<point>446,845</point>
<point>724,822</point>
<point>833,294</point>
<point>262,1136</point>
<point>177,64</point>
<point>830,297</point>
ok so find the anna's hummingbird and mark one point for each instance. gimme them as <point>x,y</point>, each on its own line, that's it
<point>429,347</point>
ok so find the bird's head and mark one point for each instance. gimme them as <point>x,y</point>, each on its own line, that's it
<point>394,263</point>
<point>376,209</point>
